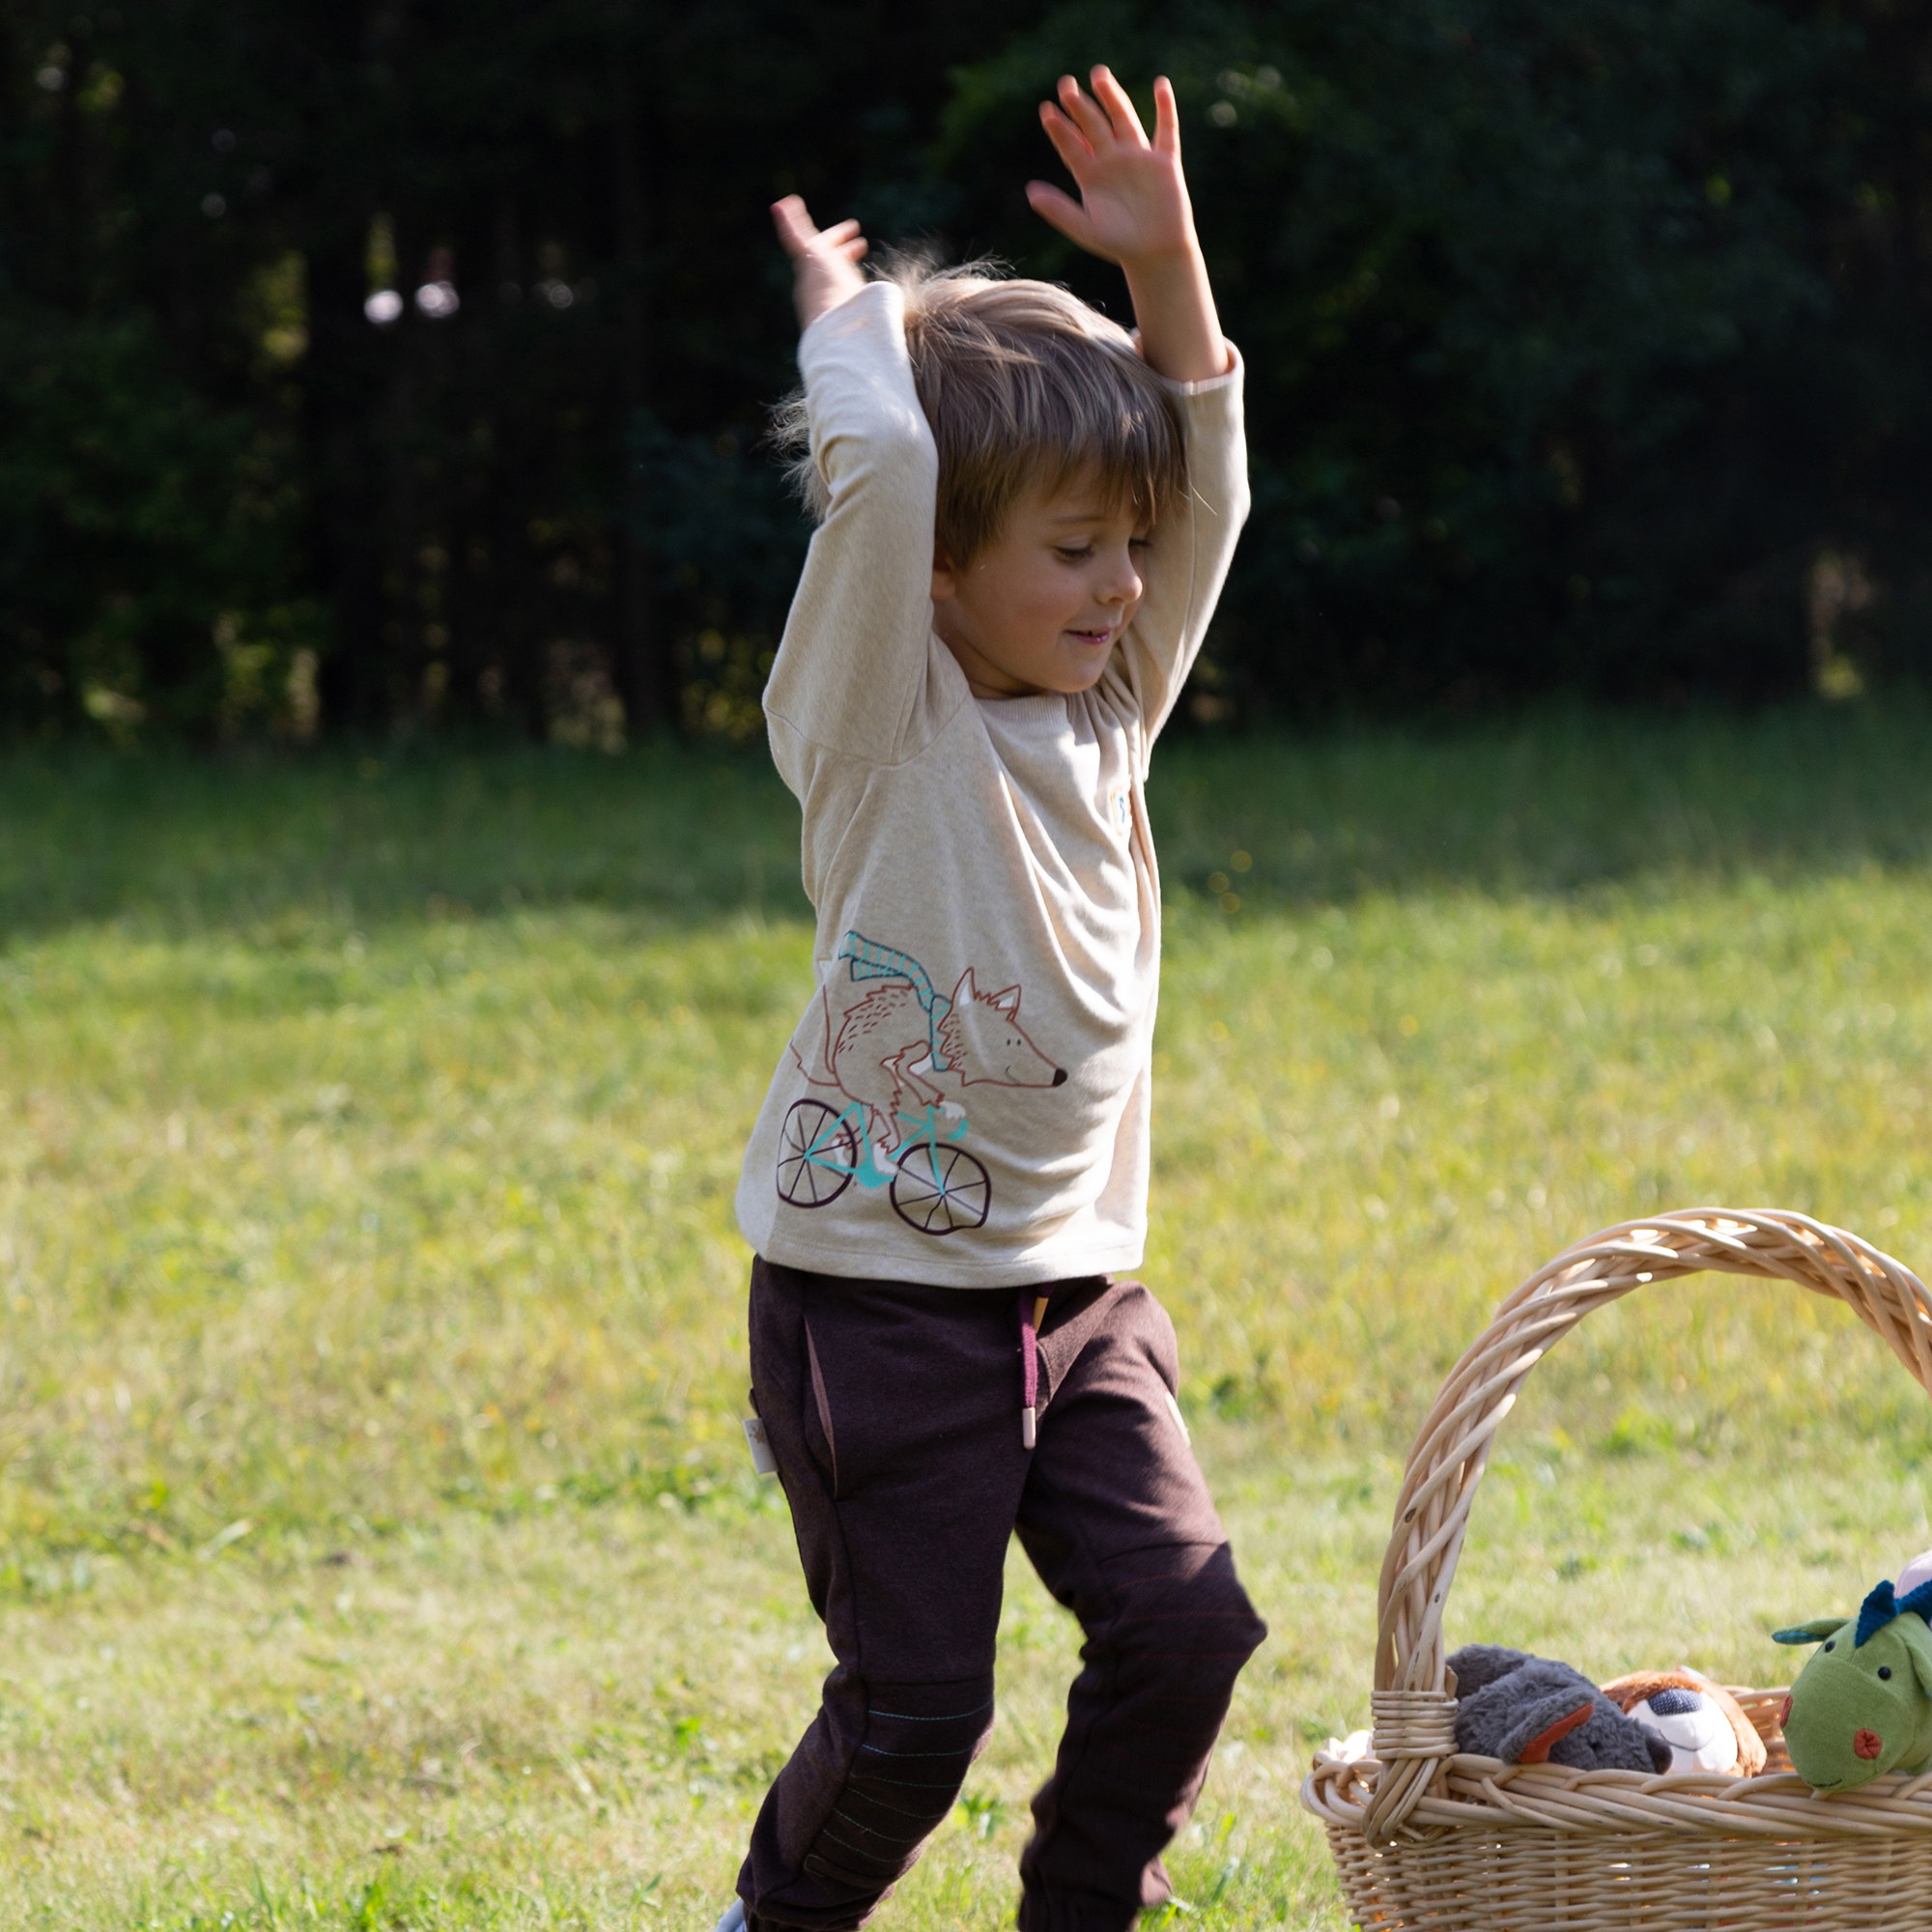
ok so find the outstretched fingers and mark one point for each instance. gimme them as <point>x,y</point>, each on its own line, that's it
<point>1057,208</point>
<point>1166,118</point>
<point>1089,131</point>
<point>825,261</point>
<point>1085,113</point>
<point>1110,95</point>
<point>1101,122</point>
<point>800,238</point>
<point>844,242</point>
<point>1070,140</point>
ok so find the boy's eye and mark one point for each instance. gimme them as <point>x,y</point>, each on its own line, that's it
<point>1078,555</point>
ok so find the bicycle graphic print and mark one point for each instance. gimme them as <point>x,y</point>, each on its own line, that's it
<point>934,1185</point>
<point>883,1061</point>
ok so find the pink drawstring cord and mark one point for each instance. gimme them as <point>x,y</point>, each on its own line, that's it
<point>1032,1307</point>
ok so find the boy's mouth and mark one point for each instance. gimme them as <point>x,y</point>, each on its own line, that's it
<point>1103,636</point>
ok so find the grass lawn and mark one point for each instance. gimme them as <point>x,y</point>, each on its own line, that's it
<point>376,1544</point>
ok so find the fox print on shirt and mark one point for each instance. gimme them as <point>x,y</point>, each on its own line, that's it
<point>892,1053</point>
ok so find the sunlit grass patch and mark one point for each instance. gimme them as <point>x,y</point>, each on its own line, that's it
<point>371,1313</point>
<point>570,1718</point>
<point>1373,1120</point>
<point>394,1231</point>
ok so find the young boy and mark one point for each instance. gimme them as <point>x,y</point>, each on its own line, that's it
<point>1025,523</point>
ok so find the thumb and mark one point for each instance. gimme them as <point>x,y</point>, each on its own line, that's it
<point>1057,206</point>
<point>794,223</point>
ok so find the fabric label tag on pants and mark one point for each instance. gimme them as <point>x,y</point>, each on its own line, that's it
<point>762,1459</point>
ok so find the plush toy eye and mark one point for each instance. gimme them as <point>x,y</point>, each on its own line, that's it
<point>1833,1644</point>
<point>1884,1671</point>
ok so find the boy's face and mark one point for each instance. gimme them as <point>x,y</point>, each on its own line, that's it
<point>1042,606</point>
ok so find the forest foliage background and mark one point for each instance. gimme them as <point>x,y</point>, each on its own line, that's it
<point>387,366</point>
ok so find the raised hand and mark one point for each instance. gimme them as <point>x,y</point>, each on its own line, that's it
<point>1133,210</point>
<point>1133,198</point>
<point>824,261</point>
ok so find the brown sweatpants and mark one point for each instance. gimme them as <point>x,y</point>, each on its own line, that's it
<point>893,1411</point>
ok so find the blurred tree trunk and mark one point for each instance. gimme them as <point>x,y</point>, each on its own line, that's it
<point>647,677</point>
<point>71,196</point>
<point>339,389</point>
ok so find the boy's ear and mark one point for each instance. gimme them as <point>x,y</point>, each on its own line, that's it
<point>945,578</point>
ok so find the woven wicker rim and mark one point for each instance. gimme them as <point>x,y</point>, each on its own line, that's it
<point>1485,1794</point>
<point>1416,1773</point>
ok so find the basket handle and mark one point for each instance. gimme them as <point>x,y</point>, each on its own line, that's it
<point>1414,1709</point>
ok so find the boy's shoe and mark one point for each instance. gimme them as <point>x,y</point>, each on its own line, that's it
<point>734,1919</point>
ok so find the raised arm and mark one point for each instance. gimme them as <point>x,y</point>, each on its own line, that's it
<point>852,664</point>
<point>1133,211</point>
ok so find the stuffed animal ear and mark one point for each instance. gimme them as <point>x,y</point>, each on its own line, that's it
<point>1919,1642</point>
<point>1538,1730</point>
<point>1816,1631</point>
<point>1877,1611</point>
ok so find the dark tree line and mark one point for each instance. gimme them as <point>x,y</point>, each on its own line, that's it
<point>374,366</point>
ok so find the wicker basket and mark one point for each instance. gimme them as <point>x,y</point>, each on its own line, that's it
<point>1426,1837</point>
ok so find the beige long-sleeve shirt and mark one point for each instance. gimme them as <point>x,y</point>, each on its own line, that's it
<point>966,1100</point>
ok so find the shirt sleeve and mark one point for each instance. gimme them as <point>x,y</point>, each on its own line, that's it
<point>1193,546</point>
<point>854,658</point>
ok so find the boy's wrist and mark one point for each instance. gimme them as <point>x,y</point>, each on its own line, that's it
<point>815,299</point>
<point>1178,251</point>
<point>1175,267</point>
<point>1174,303</point>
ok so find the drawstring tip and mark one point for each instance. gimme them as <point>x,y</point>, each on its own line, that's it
<point>1028,1433</point>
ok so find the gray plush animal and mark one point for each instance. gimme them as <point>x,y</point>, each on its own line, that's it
<point>1529,1710</point>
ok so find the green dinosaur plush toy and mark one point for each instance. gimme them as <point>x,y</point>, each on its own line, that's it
<point>1862,1706</point>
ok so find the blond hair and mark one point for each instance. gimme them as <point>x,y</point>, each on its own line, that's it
<point>1025,387</point>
